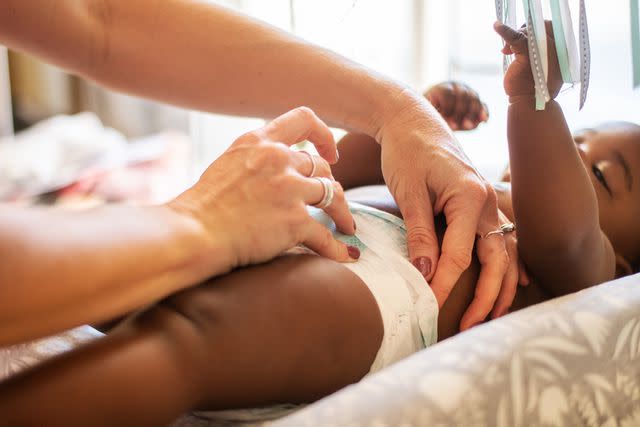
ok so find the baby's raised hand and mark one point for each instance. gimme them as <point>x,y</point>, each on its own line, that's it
<point>458,104</point>
<point>518,80</point>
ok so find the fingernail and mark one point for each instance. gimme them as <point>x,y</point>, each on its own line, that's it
<point>423,265</point>
<point>354,253</point>
<point>468,124</point>
<point>337,155</point>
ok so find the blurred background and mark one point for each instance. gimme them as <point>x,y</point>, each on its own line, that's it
<point>129,149</point>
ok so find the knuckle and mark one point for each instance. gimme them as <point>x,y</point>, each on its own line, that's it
<point>286,182</point>
<point>420,236</point>
<point>297,221</point>
<point>504,260</point>
<point>476,191</point>
<point>323,168</point>
<point>460,260</point>
<point>305,113</point>
<point>275,154</point>
<point>491,195</point>
<point>252,137</point>
<point>325,240</point>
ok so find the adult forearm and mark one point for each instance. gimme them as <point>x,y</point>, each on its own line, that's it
<point>60,269</point>
<point>553,198</point>
<point>199,55</point>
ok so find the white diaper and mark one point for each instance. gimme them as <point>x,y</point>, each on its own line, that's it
<point>408,308</point>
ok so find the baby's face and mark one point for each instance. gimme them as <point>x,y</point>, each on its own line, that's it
<point>611,155</point>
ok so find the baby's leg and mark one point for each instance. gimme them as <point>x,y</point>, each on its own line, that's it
<point>292,330</point>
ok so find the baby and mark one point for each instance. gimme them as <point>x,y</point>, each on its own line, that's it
<point>300,327</point>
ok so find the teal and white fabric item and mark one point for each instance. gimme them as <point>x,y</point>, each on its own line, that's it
<point>506,13</point>
<point>585,54</point>
<point>565,41</point>
<point>635,41</point>
<point>538,55</point>
<point>575,62</point>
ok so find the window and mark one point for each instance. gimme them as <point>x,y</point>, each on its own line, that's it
<point>475,59</point>
<point>421,42</point>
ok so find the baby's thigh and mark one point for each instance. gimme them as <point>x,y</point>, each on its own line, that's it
<point>291,330</point>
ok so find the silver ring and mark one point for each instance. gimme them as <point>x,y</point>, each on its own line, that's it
<point>327,196</point>
<point>313,163</point>
<point>507,227</point>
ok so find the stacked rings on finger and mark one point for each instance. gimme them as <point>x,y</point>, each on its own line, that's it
<point>327,196</point>
<point>505,228</point>
<point>313,162</point>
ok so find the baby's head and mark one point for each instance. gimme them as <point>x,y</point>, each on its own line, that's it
<point>611,155</point>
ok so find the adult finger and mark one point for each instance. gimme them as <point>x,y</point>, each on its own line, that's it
<point>510,281</point>
<point>302,124</point>
<point>415,204</point>
<point>309,165</point>
<point>319,239</point>
<point>462,212</point>
<point>494,262</point>
<point>314,192</point>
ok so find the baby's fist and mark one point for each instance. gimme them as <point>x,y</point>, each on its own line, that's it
<point>518,80</point>
<point>458,104</point>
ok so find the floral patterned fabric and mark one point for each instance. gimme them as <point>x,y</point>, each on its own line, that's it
<point>567,362</point>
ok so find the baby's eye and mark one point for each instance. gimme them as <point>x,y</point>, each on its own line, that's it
<point>600,177</point>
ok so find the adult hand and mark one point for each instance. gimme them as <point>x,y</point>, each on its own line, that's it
<point>458,104</point>
<point>252,201</point>
<point>428,173</point>
<point>503,296</point>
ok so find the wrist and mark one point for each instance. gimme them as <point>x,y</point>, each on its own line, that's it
<point>390,102</point>
<point>525,98</point>
<point>412,113</point>
<point>204,252</point>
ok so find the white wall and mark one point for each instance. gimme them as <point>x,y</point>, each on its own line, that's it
<point>421,42</point>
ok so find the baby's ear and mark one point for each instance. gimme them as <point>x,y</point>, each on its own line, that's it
<point>623,267</point>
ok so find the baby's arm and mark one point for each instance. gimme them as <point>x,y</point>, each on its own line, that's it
<point>234,342</point>
<point>360,155</point>
<point>554,201</point>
